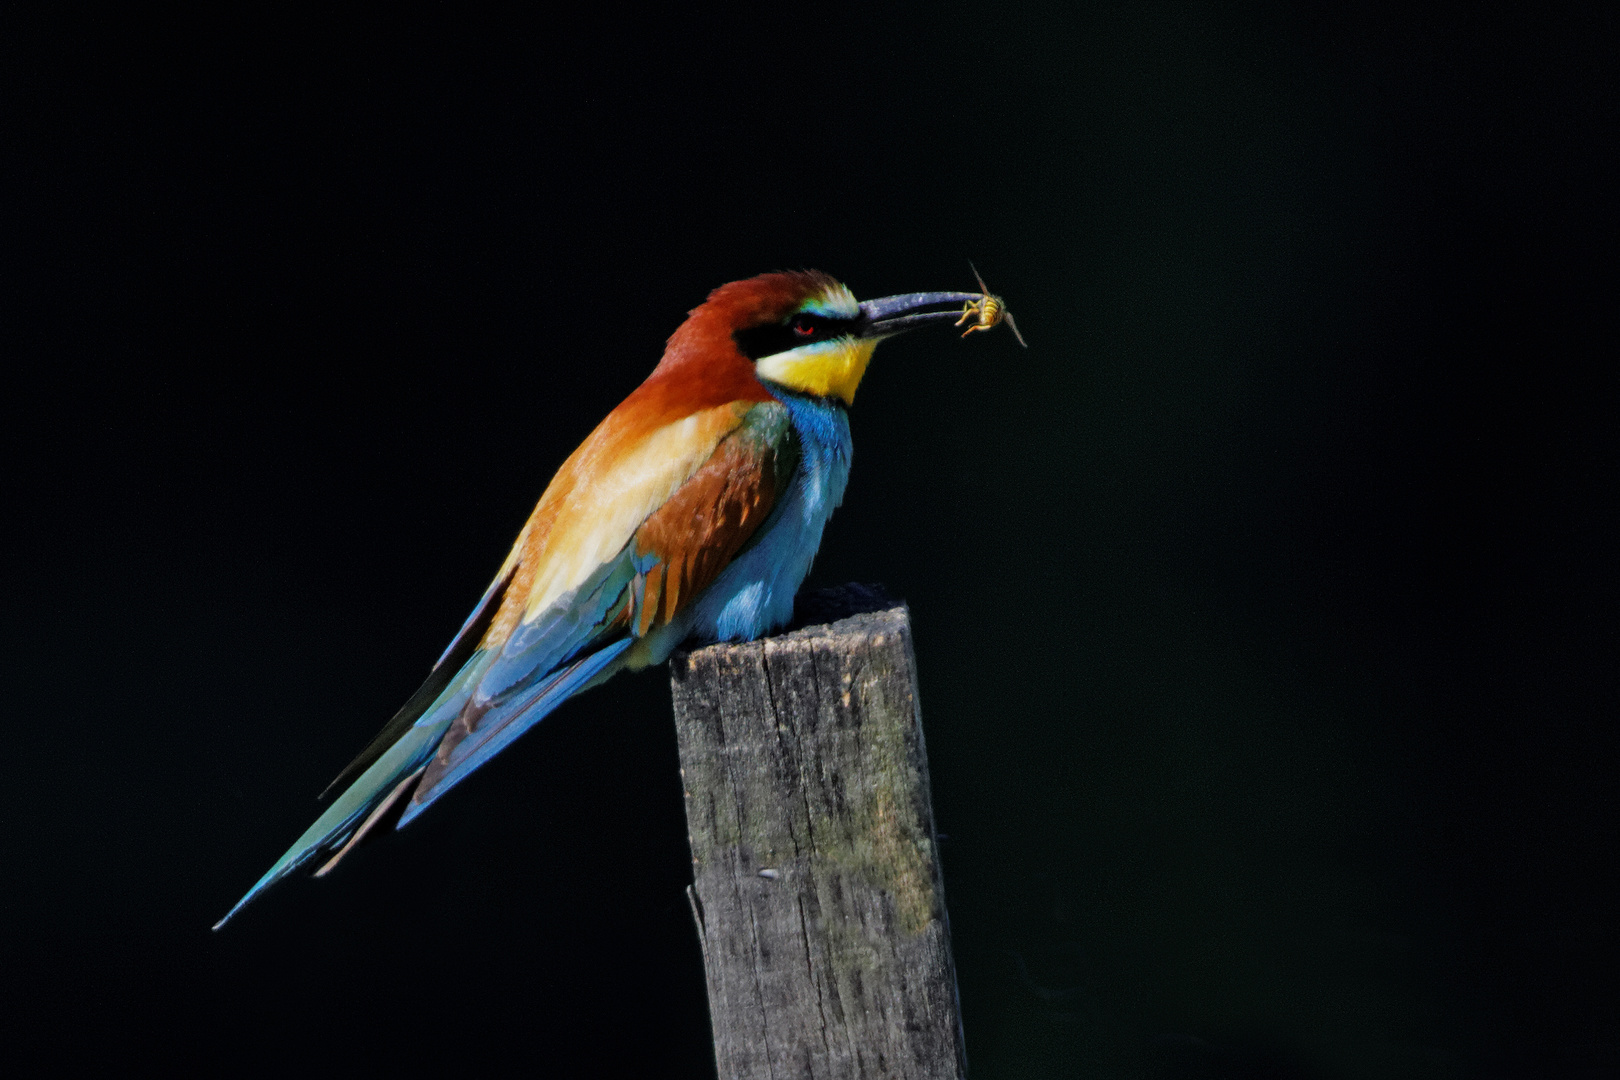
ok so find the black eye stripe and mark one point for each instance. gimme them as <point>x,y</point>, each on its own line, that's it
<point>803,328</point>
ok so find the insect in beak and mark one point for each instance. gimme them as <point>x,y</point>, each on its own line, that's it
<point>988,311</point>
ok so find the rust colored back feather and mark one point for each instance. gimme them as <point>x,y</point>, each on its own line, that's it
<point>698,532</point>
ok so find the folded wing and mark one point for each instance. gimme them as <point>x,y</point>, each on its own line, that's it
<point>636,524</point>
<point>673,555</point>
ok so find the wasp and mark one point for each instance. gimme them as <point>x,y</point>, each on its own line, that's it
<point>988,311</point>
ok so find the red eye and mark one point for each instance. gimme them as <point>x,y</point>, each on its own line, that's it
<point>803,328</point>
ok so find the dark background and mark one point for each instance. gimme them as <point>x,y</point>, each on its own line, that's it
<point>1265,605</point>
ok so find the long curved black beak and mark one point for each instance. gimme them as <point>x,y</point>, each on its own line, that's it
<point>892,315</point>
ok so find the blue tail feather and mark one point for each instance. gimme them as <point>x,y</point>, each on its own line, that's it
<point>508,720</point>
<point>497,695</point>
<point>351,807</point>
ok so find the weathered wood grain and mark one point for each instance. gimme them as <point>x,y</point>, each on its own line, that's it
<point>817,890</point>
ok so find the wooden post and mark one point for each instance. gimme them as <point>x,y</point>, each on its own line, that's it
<point>817,891</point>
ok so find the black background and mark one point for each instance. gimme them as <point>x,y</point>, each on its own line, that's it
<point>1265,605</point>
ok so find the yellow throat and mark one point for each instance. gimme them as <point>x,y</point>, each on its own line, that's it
<point>825,369</point>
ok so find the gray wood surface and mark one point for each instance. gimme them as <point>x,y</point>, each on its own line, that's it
<point>817,890</point>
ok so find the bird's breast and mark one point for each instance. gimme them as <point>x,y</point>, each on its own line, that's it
<point>754,595</point>
<point>759,599</point>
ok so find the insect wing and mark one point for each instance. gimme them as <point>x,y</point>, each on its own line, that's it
<point>1007,316</point>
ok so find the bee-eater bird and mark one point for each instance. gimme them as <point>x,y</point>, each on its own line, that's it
<point>691,513</point>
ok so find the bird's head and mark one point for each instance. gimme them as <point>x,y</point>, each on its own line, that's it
<point>803,331</point>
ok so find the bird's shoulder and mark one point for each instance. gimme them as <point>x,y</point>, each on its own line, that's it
<point>634,464</point>
<point>698,531</point>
